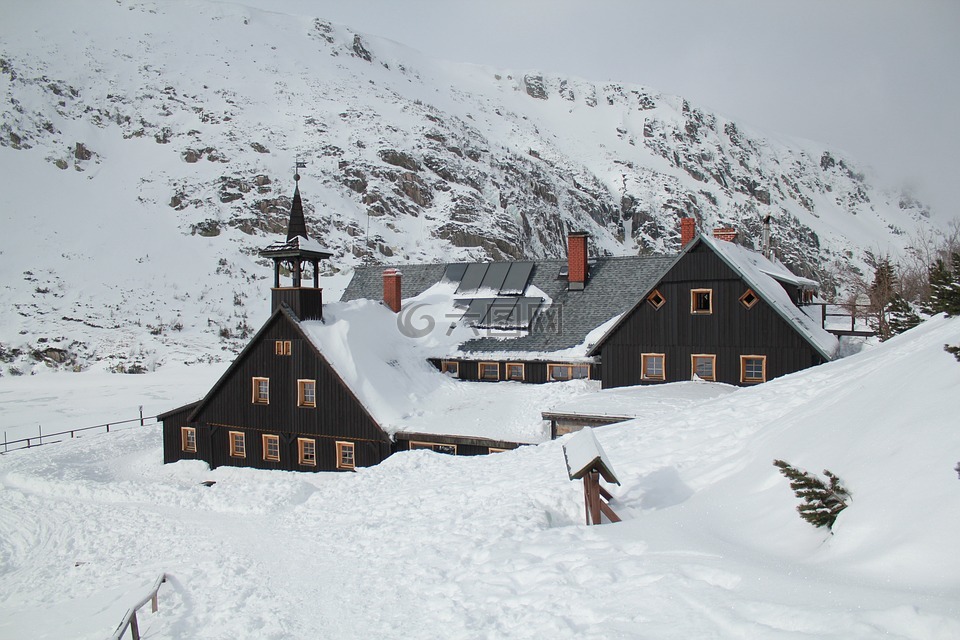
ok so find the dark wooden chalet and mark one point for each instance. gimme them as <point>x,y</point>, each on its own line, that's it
<point>720,312</point>
<point>717,311</point>
<point>281,404</point>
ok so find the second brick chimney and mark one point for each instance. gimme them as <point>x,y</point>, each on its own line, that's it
<point>391,289</point>
<point>688,231</point>
<point>577,260</point>
<point>728,234</point>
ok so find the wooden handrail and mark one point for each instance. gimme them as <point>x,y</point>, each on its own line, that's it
<point>130,619</point>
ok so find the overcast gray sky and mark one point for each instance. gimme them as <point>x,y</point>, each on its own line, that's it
<point>879,79</point>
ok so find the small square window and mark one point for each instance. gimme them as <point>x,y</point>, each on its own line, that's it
<point>748,299</point>
<point>261,390</point>
<point>515,371</point>
<point>188,439</point>
<point>489,371</point>
<point>306,393</point>
<point>238,444</point>
<point>703,366</point>
<point>651,365</point>
<point>701,301</point>
<point>283,347</point>
<point>307,451</point>
<point>345,455</point>
<point>450,367</point>
<point>753,369</point>
<point>656,299</point>
<point>271,448</point>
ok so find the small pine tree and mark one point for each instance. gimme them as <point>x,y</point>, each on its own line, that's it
<point>953,349</point>
<point>902,316</point>
<point>881,292</point>
<point>945,288</point>
<point>822,502</point>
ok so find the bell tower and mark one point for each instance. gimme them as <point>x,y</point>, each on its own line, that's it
<point>293,255</point>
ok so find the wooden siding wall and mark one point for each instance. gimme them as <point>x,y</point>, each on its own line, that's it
<point>729,332</point>
<point>217,450</point>
<point>172,445</point>
<point>337,416</point>
<point>533,372</point>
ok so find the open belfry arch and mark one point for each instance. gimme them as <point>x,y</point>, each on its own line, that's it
<point>586,460</point>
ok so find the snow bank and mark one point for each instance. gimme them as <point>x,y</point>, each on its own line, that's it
<point>432,546</point>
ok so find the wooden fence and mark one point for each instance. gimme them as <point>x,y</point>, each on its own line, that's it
<point>45,438</point>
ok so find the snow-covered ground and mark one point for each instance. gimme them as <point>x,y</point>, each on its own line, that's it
<point>433,546</point>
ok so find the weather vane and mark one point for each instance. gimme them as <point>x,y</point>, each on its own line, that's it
<point>298,164</point>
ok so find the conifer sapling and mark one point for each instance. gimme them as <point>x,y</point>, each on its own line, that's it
<point>822,501</point>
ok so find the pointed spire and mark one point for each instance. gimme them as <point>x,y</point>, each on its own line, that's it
<point>298,225</point>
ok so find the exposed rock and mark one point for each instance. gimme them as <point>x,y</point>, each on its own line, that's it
<point>80,152</point>
<point>412,186</point>
<point>399,159</point>
<point>259,148</point>
<point>360,49</point>
<point>207,228</point>
<point>535,87</point>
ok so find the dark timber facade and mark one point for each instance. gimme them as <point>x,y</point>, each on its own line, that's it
<point>261,397</point>
<point>703,317</point>
<point>281,404</point>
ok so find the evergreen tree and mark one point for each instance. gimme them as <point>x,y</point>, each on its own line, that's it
<point>953,349</point>
<point>822,502</point>
<point>945,288</point>
<point>882,291</point>
<point>901,315</point>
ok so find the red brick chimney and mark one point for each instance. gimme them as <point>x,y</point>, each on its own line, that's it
<point>729,234</point>
<point>391,289</point>
<point>688,231</point>
<point>577,260</point>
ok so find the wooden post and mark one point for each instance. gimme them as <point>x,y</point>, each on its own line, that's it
<point>154,605</point>
<point>141,415</point>
<point>134,627</point>
<point>40,431</point>
<point>595,496</point>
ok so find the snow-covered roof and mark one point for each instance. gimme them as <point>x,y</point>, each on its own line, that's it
<point>633,402</point>
<point>299,244</point>
<point>764,277</point>
<point>387,369</point>
<point>584,453</point>
<point>566,323</point>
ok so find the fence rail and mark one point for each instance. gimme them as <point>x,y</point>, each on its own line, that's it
<point>130,619</point>
<point>45,438</point>
<point>855,313</point>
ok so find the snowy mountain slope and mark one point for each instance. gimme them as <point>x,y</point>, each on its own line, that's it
<point>432,546</point>
<point>191,114</point>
